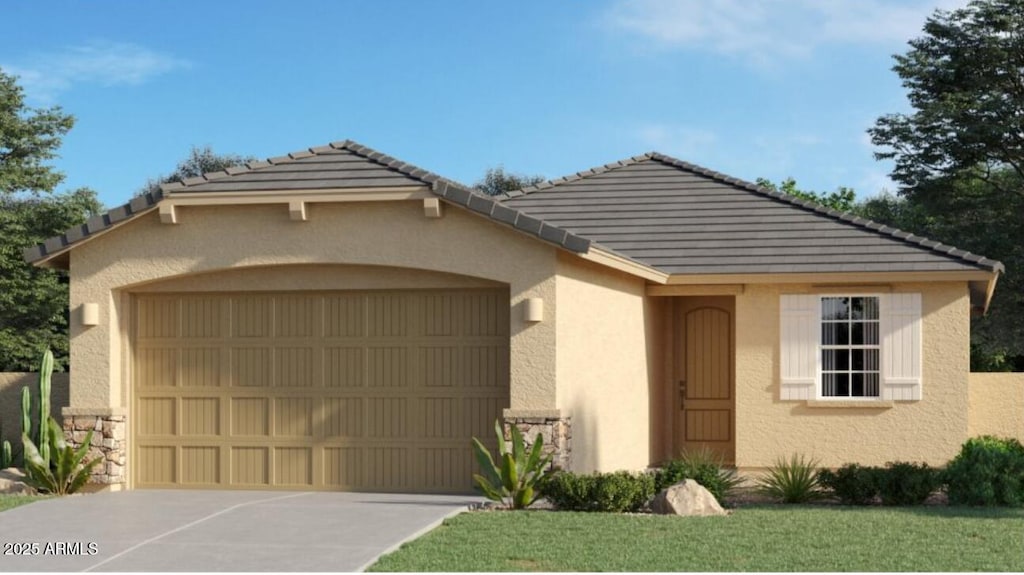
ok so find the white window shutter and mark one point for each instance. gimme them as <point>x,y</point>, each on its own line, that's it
<point>901,346</point>
<point>798,345</point>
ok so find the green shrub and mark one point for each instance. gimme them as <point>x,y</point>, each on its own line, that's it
<point>902,483</point>
<point>852,484</point>
<point>792,481</point>
<point>511,481</point>
<point>987,471</point>
<point>703,466</point>
<point>609,492</point>
<point>66,471</point>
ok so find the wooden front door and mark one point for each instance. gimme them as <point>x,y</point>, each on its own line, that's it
<point>705,377</point>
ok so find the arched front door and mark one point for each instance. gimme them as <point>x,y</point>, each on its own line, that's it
<point>705,376</point>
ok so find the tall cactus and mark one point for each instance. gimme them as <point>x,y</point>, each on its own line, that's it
<point>45,371</point>
<point>6,457</point>
<point>26,413</point>
<point>40,433</point>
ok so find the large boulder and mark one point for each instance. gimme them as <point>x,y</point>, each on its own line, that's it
<point>689,499</point>
<point>12,482</point>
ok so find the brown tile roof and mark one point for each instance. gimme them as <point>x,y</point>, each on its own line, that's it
<point>681,218</point>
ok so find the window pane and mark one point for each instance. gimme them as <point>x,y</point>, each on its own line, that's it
<point>828,384</point>
<point>870,360</point>
<point>842,384</point>
<point>871,308</point>
<point>870,333</point>
<point>835,384</point>
<point>864,308</point>
<point>857,385</point>
<point>871,385</point>
<point>835,334</point>
<point>833,308</point>
<point>835,359</point>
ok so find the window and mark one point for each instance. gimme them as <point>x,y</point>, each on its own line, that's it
<point>831,347</point>
<point>850,346</point>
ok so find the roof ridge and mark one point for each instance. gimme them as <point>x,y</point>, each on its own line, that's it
<point>348,145</point>
<point>576,176</point>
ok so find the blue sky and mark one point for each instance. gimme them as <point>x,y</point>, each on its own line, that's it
<point>755,88</point>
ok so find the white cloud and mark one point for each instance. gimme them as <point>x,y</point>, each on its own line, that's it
<point>767,31</point>
<point>46,75</point>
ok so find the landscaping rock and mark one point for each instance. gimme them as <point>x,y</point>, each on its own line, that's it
<point>688,499</point>
<point>12,482</point>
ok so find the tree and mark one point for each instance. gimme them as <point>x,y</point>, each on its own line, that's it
<point>959,156</point>
<point>33,301</point>
<point>199,161</point>
<point>843,199</point>
<point>28,137</point>
<point>965,81</point>
<point>497,181</point>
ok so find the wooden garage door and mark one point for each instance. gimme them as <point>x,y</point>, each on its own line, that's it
<point>376,390</point>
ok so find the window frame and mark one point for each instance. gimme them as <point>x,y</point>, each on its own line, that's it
<point>819,394</point>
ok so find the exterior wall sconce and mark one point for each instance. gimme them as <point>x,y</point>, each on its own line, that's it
<point>534,310</point>
<point>90,314</point>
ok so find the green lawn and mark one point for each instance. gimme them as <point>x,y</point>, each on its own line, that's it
<point>768,538</point>
<point>11,501</point>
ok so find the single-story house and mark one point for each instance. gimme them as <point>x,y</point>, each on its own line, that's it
<point>339,319</point>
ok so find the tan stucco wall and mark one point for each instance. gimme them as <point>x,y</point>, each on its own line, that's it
<point>11,384</point>
<point>606,378</point>
<point>393,234</point>
<point>996,405</point>
<point>930,430</point>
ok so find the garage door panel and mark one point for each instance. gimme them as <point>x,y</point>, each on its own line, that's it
<point>202,317</point>
<point>200,367</point>
<point>200,416</point>
<point>388,315</point>
<point>293,466</point>
<point>484,366</point>
<point>483,315</point>
<point>293,367</point>
<point>250,416</point>
<point>386,417</point>
<point>343,467</point>
<point>440,365</point>
<point>343,417</point>
<point>344,316</point>
<point>252,316</point>
<point>200,465</point>
<point>250,466</point>
<point>251,367</point>
<point>441,418</point>
<point>293,417</point>
<point>157,416</point>
<point>344,367</point>
<point>296,316</point>
<point>156,367</point>
<point>387,367</point>
<point>438,312</point>
<point>387,468</point>
<point>157,465</point>
<point>340,391</point>
<point>158,318</point>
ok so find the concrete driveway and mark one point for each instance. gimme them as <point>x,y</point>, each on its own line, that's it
<point>216,530</point>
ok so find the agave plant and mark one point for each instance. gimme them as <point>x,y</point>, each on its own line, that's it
<point>66,472</point>
<point>792,481</point>
<point>513,479</point>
